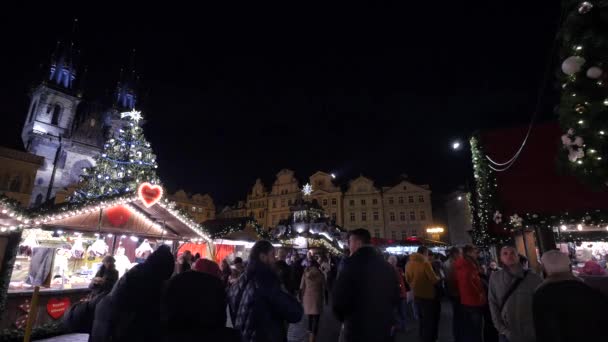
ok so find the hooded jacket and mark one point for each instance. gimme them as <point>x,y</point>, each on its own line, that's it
<point>421,277</point>
<point>131,312</point>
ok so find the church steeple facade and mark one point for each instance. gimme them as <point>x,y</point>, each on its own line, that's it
<point>62,70</point>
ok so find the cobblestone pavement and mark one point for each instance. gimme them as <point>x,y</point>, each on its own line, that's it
<point>68,338</point>
<point>329,330</point>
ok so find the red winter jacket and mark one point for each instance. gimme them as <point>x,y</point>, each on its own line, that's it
<point>468,283</point>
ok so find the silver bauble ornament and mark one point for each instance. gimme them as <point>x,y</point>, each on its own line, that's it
<point>594,72</point>
<point>572,65</point>
<point>585,7</point>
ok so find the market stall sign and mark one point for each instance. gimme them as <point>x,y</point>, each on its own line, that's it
<point>57,307</point>
<point>118,215</point>
<point>149,194</point>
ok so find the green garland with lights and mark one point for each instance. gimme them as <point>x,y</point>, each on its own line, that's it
<point>483,200</point>
<point>583,107</point>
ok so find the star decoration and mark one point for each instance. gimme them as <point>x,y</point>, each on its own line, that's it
<point>134,114</point>
<point>307,190</point>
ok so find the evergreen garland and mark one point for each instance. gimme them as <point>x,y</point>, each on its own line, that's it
<point>482,200</point>
<point>583,107</point>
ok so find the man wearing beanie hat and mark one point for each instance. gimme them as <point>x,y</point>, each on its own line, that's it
<point>564,307</point>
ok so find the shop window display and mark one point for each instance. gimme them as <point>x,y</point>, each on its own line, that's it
<point>60,260</point>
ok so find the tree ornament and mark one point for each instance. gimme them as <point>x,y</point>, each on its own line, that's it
<point>594,72</point>
<point>572,65</point>
<point>585,7</point>
<point>580,108</point>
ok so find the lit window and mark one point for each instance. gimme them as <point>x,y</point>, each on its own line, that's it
<point>402,216</point>
<point>193,209</point>
<point>364,216</point>
<point>392,217</point>
<point>333,201</point>
<point>376,216</point>
<point>410,199</point>
<point>352,217</point>
<point>412,216</point>
<point>400,200</point>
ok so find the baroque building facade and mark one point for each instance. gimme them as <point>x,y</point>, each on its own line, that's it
<point>391,212</point>
<point>200,207</point>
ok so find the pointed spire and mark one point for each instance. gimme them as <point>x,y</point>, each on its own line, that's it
<point>63,71</point>
<point>126,97</point>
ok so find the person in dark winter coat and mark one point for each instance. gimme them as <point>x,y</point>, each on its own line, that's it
<point>259,307</point>
<point>366,293</point>
<point>564,307</point>
<point>79,318</point>
<point>105,278</point>
<point>131,312</point>
<point>284,271</point>
<point>194,309</point>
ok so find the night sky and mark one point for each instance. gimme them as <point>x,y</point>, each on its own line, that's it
<point>234,94</point>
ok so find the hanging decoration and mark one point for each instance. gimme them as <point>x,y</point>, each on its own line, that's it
<point>149,194</point>
<point>582,113</point>
<point>118,215</point>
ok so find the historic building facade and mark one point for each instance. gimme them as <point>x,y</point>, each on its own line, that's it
<point>200,207</point>
<point>17,173</point>
<point>65,130</point>
<point>392,212</point>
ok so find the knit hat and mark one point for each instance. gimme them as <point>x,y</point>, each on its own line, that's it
<point>207,266</point>
<point>555,262</point>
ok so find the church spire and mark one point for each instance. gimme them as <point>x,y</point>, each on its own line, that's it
<point>126,97</point>
<point>63,70</point>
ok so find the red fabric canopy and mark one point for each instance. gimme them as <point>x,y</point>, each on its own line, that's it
<point>534,184</point>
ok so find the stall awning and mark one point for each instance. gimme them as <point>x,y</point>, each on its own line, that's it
<point>125,214</point>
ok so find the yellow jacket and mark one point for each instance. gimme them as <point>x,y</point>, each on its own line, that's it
<point>421,277</point>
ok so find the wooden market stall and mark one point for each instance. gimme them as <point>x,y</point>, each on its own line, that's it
<point>61,250</point>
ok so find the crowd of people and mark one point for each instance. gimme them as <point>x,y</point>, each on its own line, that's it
<point>372,296</point>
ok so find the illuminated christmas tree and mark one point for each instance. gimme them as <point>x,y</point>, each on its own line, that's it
<point>126,161</point>
<point>583,109</point>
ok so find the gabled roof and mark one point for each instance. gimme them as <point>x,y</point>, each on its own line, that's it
<point>410,187</point>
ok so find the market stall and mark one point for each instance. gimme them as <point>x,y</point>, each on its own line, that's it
<point>61,250</point>
<point>534,203</point>
<point>409,245</point>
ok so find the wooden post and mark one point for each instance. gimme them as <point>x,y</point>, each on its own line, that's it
<point>31,317</point>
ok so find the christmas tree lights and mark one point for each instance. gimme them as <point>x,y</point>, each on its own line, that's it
<point>126,161</point>
<point>583,108</point>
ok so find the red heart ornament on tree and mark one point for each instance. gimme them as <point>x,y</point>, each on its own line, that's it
<point>118,215</point>
<point>57,307</point>
<point>149,194</point>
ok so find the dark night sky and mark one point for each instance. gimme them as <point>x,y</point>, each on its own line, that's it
<point>236,95</point>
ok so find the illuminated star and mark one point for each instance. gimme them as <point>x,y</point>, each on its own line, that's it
<point>134,114</point>
<point>307,190</point>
